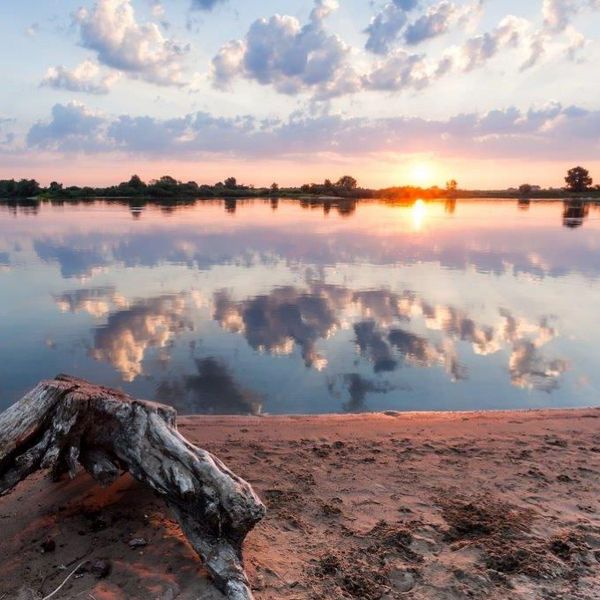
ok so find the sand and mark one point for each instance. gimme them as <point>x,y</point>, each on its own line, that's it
<point>420,506</point>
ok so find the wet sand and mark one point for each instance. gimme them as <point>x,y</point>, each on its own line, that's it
<point>420,505</point>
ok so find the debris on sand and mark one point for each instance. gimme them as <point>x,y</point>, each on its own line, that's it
<point>503,533</point>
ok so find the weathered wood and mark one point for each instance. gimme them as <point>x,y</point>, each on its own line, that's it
<point>66,421</point>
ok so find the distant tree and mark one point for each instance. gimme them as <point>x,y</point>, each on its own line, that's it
<point>231,183</point>
<point>136,183</point>
<point>305,188</point>
<point>55,187</point>
<point>525,189</point>
<point>452,185</point>
<point>327,184</point>
<point>27,188</point>
<point>578,179</point>
<point>347,183</point>
<point>7,188</point>
<point>167,180</point>
<point>274,187</point>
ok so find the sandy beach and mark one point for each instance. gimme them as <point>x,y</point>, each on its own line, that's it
<point>418,505</point>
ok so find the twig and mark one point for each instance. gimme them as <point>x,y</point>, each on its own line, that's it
<point>65,581</point>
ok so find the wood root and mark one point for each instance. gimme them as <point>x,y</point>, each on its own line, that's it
<point>66,421</point>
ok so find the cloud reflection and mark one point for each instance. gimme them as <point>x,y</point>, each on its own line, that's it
<point>129,333</point>
<point>290,316</point>
<point>286,317</point>
<point>97,302</point>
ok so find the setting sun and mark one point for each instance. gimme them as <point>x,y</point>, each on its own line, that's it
<point>422,174</point>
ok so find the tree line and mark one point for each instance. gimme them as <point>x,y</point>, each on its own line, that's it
<point>578,180</point>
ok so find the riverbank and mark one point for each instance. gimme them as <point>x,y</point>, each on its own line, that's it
<point>418,505</point>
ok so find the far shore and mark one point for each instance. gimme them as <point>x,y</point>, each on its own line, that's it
<point>426,506</point>
<point>309,198</point>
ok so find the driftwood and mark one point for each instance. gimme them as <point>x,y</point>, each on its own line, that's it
<point>66,421</point>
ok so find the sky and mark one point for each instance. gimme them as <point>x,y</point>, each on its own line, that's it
<point>494,93</point>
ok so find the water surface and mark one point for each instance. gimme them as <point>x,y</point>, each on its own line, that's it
<point>291,307</point>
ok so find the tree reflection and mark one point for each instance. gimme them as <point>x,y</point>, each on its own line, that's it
<point>575,212</point>
<point>358,387</point>
<point>213,390</point>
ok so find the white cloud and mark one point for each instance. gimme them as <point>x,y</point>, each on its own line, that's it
<point>386,25</point>
<point>293,58</point>
<point>479,49</point>
<point>140,50</point>
<point>439,19</point>
<point>403,70</point>
<point>558,14</point>
<point>83,78</point>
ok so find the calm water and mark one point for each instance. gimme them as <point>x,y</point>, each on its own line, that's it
<point>283,307</point>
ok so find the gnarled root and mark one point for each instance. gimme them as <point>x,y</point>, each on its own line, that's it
<point>67,421</point>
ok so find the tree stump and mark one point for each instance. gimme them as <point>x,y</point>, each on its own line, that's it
<point>66,421</point>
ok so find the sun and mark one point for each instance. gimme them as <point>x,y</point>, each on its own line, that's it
<point>421,173</point>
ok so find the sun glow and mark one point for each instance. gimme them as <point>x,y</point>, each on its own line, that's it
<point>422,174</point>
<point>419,211</point>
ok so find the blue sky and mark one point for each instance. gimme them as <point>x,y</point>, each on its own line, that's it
<point>492,92</point>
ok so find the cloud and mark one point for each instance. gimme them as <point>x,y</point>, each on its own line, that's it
<point>558,14</point>
<point>32,30</point>
<point>279,51</point>
<point>479,49</point>
<point>552,131</point>
<point>141,51</point>
<point>391,23</point>
<point>83,78</point>
<point>386,25</point>
<point>439,19</point>
<point>400,70</point>
<point>537,49</point>
<point>7,136</point>
<point>73,127</point>
<point>206,4</point>
<point>403,70</point>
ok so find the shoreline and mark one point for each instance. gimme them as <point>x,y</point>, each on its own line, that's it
<point>427,506</point>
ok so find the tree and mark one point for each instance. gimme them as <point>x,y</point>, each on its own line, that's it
<point>452,185</point>
<point>27,188</point>
<point>136,183</point>
<point>231,183</point>
<point>274,187</point>
<point>347,183</point>
<point>55,187</point>
<point>327,184</point>
<point>578,179</point>
<point>525,189</point>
